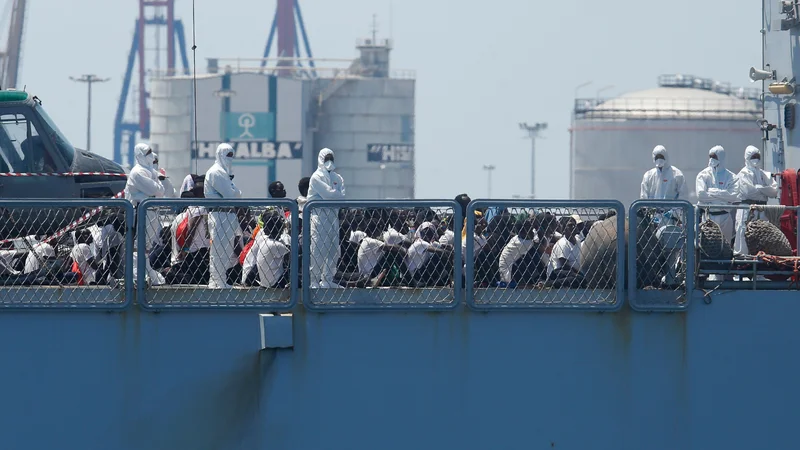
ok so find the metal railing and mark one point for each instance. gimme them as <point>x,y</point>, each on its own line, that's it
<point>661,259</point>
<point>399,254</point>
<point>66,254</point>
<point>414,265</point>
<point>191,258</point>
<point>767,261</point>
<point>667,108</point>
<point>545,254</point>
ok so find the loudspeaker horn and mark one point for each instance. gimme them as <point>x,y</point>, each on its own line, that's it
<point>760,75</point>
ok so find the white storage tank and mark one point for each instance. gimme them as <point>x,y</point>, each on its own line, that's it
<point>612,140</point>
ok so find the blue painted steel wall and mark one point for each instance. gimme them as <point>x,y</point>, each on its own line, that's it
<point>721,375</point>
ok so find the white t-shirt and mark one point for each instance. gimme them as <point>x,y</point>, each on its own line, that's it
<point>268,254</point>
<point>42,251</point>
<point>513,252</point>
<point>393,237</point>
<point>480,242</point>
<point>200,239</point>
<point>81,254</point>
<point>103,239</point>
<point>447,238</point>
<point>418,254</point>
<point>369,252</point>
<point>564,249</point>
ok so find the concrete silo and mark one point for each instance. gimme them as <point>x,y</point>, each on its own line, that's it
<point>612,140</point>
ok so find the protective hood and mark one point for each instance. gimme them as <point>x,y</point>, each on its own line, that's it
<point>720,152</point>
<point>222,158</point>
<point>140,154</point>
<point>748,153</point>
<point>321,158</point>
<point>660,150</point>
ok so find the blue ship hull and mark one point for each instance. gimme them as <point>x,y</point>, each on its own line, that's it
<point>720,375</point>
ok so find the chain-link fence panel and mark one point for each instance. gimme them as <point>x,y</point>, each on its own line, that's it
<point>661,266</point>
<point>215,253</point>
<point>747,246</point>
<point>382,254</point>
<point>66,254</point>
<point>545,254</point>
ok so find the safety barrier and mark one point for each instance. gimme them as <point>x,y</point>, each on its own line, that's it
<point>191,258</point>
<point>416,265</point>
<point>73,254</point>
<point>767,262</point>
<point>662,256</point>
<point>402,269</point>
<point>515,265</point>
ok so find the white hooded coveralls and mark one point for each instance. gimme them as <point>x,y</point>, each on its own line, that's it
<point>223,226</point>
<point>665,183</point>
<point>324,243</point>
<point>753,186</point>
<point>143,183</point>
<point>716,189</point>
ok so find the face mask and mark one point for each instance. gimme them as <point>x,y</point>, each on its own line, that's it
<point>328,166</point>
<point>660,163</point>
<point>150,159</point>
<point>713,163</point>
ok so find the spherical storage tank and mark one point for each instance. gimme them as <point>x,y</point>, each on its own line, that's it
<point>612,140</point>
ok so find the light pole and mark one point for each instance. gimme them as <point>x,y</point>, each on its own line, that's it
<point>89,79</point>
<point>578,87</point>
<point>489,170</point>
<point>533,133</point>
<point>605,88</point>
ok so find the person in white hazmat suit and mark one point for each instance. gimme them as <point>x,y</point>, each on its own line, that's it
<point>325,184</point>
<point>666,182</point>
<point>716,189</point>
<point>169,189</point>
<point>223,226</point>
<point>754,186</point>
<point>143,183</point>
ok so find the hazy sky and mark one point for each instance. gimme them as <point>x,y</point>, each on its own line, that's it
<point>480,70</point>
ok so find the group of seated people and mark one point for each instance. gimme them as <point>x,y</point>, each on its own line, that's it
<point>379,247</point>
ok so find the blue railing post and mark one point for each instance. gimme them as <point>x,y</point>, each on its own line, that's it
<point>660,297</point>
<point>609,297</point>
<point>49,221</point>
<point>185,296</point>
<point>394,298</point>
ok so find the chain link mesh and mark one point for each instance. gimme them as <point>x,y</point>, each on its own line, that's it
<point>200,253</point>
<point>661,253</point>
<point>68,253</point>
<point>362,256</point>
<point>548,256</point>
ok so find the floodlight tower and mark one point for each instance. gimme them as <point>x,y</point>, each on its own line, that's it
<point>533,133</point>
